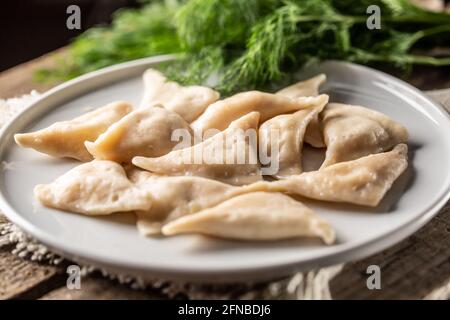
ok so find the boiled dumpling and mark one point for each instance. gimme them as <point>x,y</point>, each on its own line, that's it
<point>305,88</point>
<point>229,156</point>
<point>221,113</point>
<point>66,138</point>
<point>94,188</point>
<point>144,132</point>
<point>285,133</point>
<point>189,102</point>
<point>178,196</point>
<point>174,197</point>
<point>255,216</point>
<point>314,133</point>
<point>352,132</point>
<point>364,181</point>
<point>310,87</point>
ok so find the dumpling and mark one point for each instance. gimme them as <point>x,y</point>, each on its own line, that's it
<point>221,113</point>
<point>352,132</point>
<point>305,88</point>
<point>66,138</point>
<point>174,197</point>
<point>229,156</point>
<point>286,133</point>
<point>94,188</point>
<point>144,132</point>
<point>189,102</point>
<point>255,216</point>
<point>314,133</point>
<point>310,87</point>
<point>364,181</point>
<point>178,196</point>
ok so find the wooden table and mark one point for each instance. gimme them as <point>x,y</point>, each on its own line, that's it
<point>415,268</point>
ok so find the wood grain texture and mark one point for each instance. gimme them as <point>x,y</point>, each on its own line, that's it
<point>409,270</point>
<point>3,218</point>
<point>20,279</point>
<point>414,268</point>
<point>19,80</point>
<point>441,96</point>
<point>99,289</point>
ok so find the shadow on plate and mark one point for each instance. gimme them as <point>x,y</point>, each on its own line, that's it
<point>206,244</point>
<point>128,218</point>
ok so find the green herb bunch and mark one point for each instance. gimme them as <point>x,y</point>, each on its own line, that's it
<point>250,43</point>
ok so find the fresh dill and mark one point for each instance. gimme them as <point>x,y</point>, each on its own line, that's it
<point>251,43</point>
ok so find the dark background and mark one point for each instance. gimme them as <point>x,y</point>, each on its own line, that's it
<point>30,28</point>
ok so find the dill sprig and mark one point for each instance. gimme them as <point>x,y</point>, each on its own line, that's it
<point>253,43</point>
<point>133,34</point>
<point>231,19</point>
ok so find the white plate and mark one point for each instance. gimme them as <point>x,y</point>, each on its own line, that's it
<point>114,243</point>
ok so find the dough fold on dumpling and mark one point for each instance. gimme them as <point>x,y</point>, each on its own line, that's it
<point>364,181</point>
<point>309,87</point>
<point>305,88</point>
<point>174,197</point>
<point>94,188</point>
<point>229,156</point>
<point>221,113</point>
<point>352,132</point>
<point>144,132</point>
<point>66,138</point>
<point>286,133</point>
<point>189,102</point>
<point>255,216</point>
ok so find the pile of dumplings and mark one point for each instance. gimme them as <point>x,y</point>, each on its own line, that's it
<point>130,164</point>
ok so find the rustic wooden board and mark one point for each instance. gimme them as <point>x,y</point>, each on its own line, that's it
<point>99,289</point>
<point>20,278</point>
<point>409,270</point>
<point>19,80</point>
<point>414,268</point>
<point>3,218</point>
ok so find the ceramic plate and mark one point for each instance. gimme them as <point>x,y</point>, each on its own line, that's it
<point>114,242</point>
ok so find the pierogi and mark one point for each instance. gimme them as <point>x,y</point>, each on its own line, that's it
<point>94,188</point>
<point>304,88</point>
<point>221,113</point>
<point>255,216</point>
<point>143,132</point>
<point>174,197</point>
<point>189,102</point>
<point>309,87</point>
<point>136,163</point>
<point>285,134</point>
<point>352,132</point>
<point>66,138</point>
<point>229,156</point>
<point>364,181</point>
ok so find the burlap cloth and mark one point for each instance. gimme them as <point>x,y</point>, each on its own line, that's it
<point>307,285</point>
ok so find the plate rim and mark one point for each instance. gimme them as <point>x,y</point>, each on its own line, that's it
<point>357,250</point>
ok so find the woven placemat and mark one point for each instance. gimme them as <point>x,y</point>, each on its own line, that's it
<point>308,285</point>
